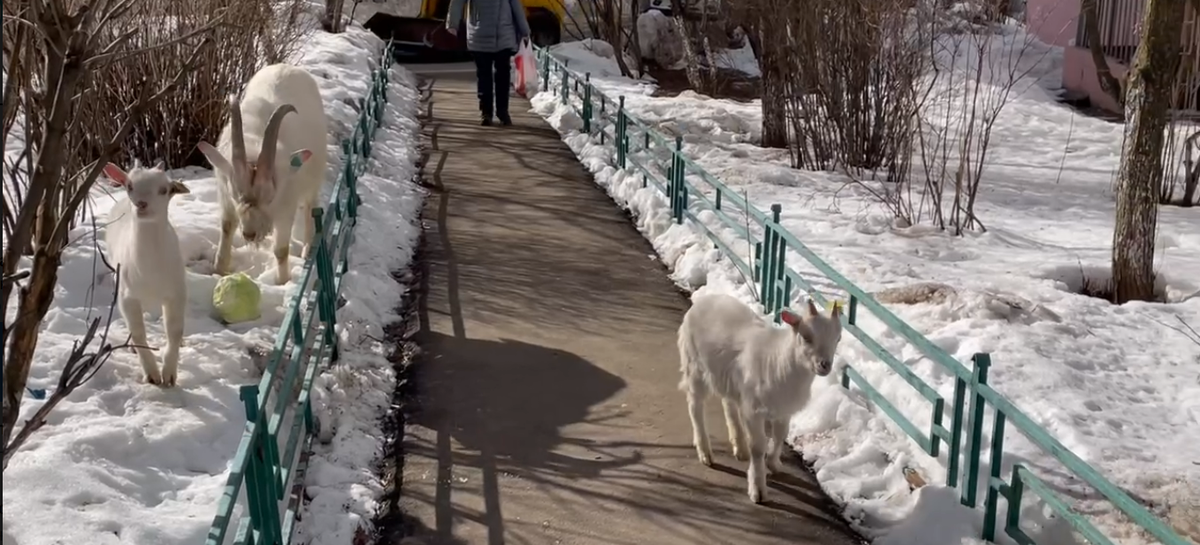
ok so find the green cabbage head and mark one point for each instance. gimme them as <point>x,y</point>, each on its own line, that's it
<point>237,298</point>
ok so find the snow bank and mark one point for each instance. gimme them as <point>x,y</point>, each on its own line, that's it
<point>352,396</point>
<point>123,462</point>
<point>1117,385</point>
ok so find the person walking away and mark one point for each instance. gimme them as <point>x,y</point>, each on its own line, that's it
<point>494,29</point>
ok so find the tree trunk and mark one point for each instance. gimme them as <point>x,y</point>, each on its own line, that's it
<point>636,46</point>
<point>616,30</point>
<point>687,32</point>
<point>1190,183</point>
<point>35,302</point>
<point>39,214</point>
<point>1147,110</point>
<point>766,45</point>
<point>333,16</point>
<point>1091,24</point>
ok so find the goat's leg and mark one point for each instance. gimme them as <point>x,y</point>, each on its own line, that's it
<point>696,395</point>
<point>756,475</point>
<point>131,310</point>
<point>737,435</point>
<point>283,248</point>
<point>229,222</point>
<point>777,433</point>
<point>310,225</point>
<point>173,316</point>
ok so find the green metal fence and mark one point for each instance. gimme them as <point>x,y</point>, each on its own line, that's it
<point>272,458</point>
<point>690,190</point>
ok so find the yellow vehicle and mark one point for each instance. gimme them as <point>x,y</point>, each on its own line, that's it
<point>411,34</point>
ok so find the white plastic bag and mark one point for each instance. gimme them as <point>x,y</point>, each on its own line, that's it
<point>525,78</point>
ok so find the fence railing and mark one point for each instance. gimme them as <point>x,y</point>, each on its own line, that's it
<point>272,458</point>
<point>690,190</point>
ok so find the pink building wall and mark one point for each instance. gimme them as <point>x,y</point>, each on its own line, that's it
<point>1053,21</point>
<point>1056,22</point>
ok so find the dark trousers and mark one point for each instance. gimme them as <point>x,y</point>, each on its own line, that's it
<point>493,76</point>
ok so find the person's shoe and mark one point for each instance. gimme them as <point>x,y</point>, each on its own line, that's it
<point>485,120</point>
<point>505,120</point>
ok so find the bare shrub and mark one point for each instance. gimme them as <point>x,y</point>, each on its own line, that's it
<point>767,37</point>
<point>93,82</point>
<point>612,21</point>
<point>704,26</point>
<point>853,88</point>
<point>257,33</point>
<point>1182,174</point>
<point>978,66</point>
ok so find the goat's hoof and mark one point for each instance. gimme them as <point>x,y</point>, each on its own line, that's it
<point>168,381</point>
<point>775,465</point>
<point>757,495</point>
<point>740,454</point>
<point>155,380</point>
<point>705,458</point>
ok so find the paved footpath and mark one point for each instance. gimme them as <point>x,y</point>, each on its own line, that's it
<point>547,409</point>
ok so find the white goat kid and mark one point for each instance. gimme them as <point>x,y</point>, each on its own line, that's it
<point>269,165</point>
<point>142,242</point>
<point>763,374</point>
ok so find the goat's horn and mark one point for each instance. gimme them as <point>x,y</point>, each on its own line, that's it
<point>235,133</point>
<point>266,159</point>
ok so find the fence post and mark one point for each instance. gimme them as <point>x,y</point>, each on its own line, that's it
<point>1016,489</point>
<point>679,204</point>
<point>773,248</point>
<point>326,298</point>
<point>587,103</point>
<point>622,132</point>
<point>566,82</point>
<point>260,497</point>
<point>979,373</point>
<point>990,503</point>
<point>956,432</point>
<point>852,319</point>
<point>349,172</point>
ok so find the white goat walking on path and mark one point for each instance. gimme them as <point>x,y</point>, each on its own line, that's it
<point>269,165</point>
<point>763,374</point>
<point>142,242</point>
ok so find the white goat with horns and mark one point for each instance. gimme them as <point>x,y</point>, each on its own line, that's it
<point>269,164</point>
<point>762,373</point>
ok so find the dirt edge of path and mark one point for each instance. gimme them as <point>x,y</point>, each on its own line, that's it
<point>392,526</point>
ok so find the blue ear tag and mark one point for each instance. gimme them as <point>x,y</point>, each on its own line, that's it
<point>297,162</point>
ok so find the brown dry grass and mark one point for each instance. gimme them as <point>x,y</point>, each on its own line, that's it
<point>253,33</point>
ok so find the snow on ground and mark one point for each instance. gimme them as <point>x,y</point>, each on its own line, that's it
<point>1118,385</point>
<point>124,462</point>
<point>353,395</point>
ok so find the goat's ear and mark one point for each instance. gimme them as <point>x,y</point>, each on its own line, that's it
<point>116,175</point>
<point>160,165</point>
<point>177,188</point>
<point>837,310</point>
<point>214,157</point>
<point>812,309</point>
<point>792,319</point>
<point>298,159</point>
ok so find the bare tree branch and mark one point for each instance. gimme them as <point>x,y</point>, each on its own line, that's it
<point>132,114</point>
<point>80,366</point>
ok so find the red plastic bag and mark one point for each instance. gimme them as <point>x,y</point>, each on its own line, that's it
<point>525,79</point>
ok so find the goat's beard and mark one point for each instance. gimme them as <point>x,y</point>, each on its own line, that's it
<point>256,220</point>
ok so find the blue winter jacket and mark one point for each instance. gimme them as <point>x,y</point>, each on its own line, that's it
<point>492,25</point>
